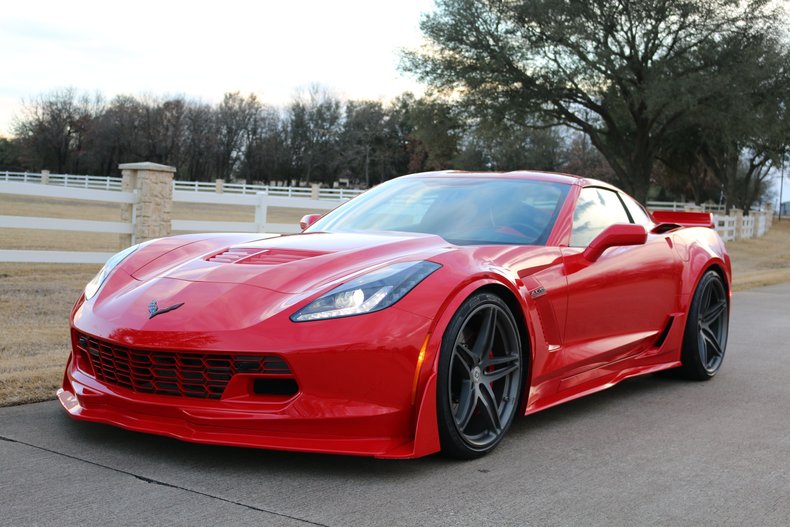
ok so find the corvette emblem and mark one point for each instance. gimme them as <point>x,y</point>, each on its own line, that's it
<point>153,309</point>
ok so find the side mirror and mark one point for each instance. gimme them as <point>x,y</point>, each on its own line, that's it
<point>617,235</point>
<point>308,219</point>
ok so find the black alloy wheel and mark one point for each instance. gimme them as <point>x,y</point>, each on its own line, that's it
<point>480,377</point>
<point>705,340</point>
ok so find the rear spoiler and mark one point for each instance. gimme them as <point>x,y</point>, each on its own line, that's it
<point>684,219</point>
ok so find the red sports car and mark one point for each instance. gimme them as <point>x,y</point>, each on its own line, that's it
<point>422,316</point>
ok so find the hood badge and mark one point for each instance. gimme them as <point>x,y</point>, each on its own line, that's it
<point>153,309</point>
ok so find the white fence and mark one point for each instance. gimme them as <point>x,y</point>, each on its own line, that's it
<point>114,183</point>
<point>260,201</point>
<point>726,226</point>
<point>59,224</point>
<point>64,180</point>
<point>259,196</point>
<point>271,190</point>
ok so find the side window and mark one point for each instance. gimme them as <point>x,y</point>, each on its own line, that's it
<point>637,211</point>
<point>596,209</point>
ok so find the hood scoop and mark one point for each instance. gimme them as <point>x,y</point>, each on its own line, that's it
<point>260,256</point>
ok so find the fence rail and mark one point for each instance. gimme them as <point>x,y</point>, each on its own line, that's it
<point>30,185</point>
<point>271,190</point>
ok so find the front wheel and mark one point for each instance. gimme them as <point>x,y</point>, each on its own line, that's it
<point>480,377</point>
<point>707,325</point>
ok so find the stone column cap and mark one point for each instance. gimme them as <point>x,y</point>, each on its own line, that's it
<point>147,165</point>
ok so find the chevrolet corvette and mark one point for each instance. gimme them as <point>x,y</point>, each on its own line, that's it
<point>422,316</point>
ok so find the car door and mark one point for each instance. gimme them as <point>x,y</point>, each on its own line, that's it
<point>619,304</point>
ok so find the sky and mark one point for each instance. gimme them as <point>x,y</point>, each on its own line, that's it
<point>205,49</point>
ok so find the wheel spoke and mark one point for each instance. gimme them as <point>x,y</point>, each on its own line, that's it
<point>706,298</point>
<point>703,349</point>
<point>463,352</point>
<point>466,405</point>
<point>485,337</point>
<point>711,343</point>
<point>498,374</point>
<point>713,313</point>
<point>489,408</point>
<point>497,361</point>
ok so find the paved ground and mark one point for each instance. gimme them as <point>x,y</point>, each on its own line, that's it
<point>650,451</point>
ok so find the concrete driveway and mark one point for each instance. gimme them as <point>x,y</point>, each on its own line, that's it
<point>649,451</point>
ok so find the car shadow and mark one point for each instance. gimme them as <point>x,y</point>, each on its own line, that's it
<point>158,451</point>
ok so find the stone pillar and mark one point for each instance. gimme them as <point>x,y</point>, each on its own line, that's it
<point>315,190</point>
<point>738,213</point>
<point>153,184</point>
<point>45,177</point>
<point>261,211</point>
<point>220,185</point>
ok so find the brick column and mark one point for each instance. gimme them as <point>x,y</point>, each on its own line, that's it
<point>219,186</point>
<point>738,213</point>
<point>153,184</point>
<point>45,177</point>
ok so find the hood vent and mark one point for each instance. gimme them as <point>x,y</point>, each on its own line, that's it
<point>260,256</point>
<point>233,254</point>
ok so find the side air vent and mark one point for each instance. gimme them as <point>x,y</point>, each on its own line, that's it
<point>663,336</point>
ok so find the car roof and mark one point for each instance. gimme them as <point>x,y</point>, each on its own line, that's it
<point>554,177</point>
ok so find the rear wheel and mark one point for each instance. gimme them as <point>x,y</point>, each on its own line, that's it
<point>707,325</point>
<point>480,377</point>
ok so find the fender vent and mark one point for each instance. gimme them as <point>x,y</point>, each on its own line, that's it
<point>665,332</point>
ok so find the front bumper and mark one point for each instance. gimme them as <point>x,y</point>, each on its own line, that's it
<point>355,377</point>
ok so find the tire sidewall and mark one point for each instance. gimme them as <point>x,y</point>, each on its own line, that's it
<point>690,356</point>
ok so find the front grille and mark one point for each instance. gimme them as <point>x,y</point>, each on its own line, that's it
<point>203,375</point>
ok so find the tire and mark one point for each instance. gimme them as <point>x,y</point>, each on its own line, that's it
<point>480,377</point>
<point>707,325</point>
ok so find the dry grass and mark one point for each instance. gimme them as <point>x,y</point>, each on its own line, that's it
<point>35,299</point>
<point>762,261</point>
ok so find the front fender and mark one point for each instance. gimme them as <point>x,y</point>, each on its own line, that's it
<point>426,431</point>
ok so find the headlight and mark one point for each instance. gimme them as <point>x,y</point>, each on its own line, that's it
<point>368,293</point>
<point>94,285</point>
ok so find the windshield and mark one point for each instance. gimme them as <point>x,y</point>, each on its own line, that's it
<point>463,211</point>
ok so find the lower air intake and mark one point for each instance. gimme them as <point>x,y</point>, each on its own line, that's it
<point>202,375</point>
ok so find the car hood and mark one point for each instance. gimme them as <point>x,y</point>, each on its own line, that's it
<point>305,262</point>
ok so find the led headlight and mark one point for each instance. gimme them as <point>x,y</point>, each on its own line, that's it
<point>368,293</point>
<point>94,285</point>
